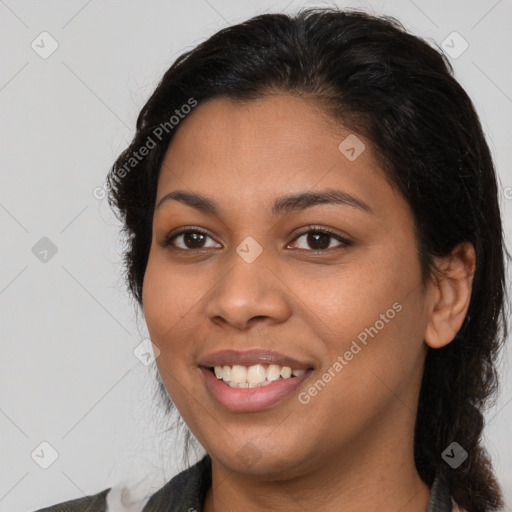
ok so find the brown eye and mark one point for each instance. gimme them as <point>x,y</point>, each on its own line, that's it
<point>189,239</point>
<point>320,240</point>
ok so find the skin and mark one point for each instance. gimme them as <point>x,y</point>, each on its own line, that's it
<point>351,447</point>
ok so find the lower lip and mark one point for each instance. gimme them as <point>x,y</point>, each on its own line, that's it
<point>251,399</point>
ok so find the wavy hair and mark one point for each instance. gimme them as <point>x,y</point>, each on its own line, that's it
<point>398,91</point>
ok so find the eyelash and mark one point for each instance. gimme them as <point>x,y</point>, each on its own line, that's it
<point>168,240</point>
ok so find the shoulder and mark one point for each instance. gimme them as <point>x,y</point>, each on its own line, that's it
<point>186,491</point>
<point>93,503</point>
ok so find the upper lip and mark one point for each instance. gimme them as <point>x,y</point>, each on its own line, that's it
<point>251,357</point>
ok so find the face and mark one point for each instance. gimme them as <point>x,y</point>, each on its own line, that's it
<point>334,286</point>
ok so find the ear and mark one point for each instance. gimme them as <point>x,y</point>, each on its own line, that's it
<point>450,295</point>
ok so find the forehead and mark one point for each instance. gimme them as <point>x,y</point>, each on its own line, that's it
<point>243,151</point>
<point>255,130</point>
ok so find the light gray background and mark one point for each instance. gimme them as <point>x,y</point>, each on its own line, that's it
<point>68,373</point>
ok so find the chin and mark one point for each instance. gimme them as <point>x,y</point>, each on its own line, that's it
<point>260,458</point>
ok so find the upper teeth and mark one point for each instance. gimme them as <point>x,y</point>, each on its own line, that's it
<point>239,376</point>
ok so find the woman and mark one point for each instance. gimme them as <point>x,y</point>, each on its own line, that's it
<point>315,239</point>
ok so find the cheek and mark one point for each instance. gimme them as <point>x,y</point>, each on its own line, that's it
<point>157,300</point>
<point>374,304</point>
<point>166,302</point>
<point>373,345</point>
<point>168,295</point>
<point>172,299</point>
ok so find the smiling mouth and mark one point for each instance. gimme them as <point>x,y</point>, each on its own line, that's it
<point>239,376</point>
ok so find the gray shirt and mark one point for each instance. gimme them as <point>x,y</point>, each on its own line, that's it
<point>186,492</point>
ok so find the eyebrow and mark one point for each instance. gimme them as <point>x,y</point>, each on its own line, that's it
<point>282,206</point>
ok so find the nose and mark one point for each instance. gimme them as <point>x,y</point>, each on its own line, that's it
<point>249,293</point>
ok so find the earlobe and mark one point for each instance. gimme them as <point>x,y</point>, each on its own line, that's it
<point>450,295</point>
